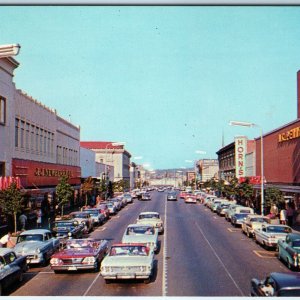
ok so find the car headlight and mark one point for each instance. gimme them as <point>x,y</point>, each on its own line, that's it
<point>106,269</point>
<point>55,261</point>
<point>89,260</point>
<point>38,250</point>
<point>70,234</point>
<point>142,268</point>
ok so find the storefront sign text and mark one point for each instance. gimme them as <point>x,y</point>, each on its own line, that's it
<point>289,135</point>
<point>43,172</point>
<point>240,152</point>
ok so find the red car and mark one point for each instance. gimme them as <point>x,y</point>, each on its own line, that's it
<point>79,254</point>
<point>103,208</point>
<point>190,198</point>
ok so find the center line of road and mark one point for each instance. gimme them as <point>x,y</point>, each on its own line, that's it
<point>219,259</point>
<point>165,252</point>
<point>91,284</point>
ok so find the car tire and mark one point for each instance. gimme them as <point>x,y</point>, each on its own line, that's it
<point>148,280</point>
<point>58,271</point>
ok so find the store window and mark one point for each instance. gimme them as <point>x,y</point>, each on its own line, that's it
<point>2,110</point>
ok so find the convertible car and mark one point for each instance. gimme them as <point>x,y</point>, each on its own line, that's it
<point>137,233</point>
<point>11,268</point>
<point>79,254</point>
<point>128,261</point>
<point>37,244</point>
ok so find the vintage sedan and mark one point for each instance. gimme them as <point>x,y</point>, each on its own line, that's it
<point>68,229</point>
<point>102,207</point>
<point>37,244</point>
<point>128,197</point>
<point>252,222</point>
<point>12,268</point>
<point>128,261</point>
<point>84,218</point>
<point>79,254</point>
<point>237,219</point>
<point>138,233</point>
<point>221,209</point>
<point>96,215</point>
<point>268,235</point>
<point>289,250</point>
<point>171,196</point>
<point>277,284</point>
<point>152,218</point>
<point>146,196</point>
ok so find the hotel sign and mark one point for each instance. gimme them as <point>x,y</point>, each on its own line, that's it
<point>240,154</point>
<point>52,172</point>
<point>289,135</point>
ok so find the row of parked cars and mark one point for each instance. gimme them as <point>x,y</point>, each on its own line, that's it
<point>66,246</point>
<point>270,234</point>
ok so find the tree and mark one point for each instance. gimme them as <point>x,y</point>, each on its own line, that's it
<point>64,192</point>
<point>87,187</point>
<point>11,202</point>
<point>244,192</point>
<point>273,196</point>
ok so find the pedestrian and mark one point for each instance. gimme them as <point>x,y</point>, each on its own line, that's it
<point>39,218</point>
<point>23,221</point>
<point>290,215</point>
<point>274,210</point>
<point>6,241</point>
<point>283,216</point>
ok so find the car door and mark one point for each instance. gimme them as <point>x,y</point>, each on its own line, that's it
<point>12,269</point>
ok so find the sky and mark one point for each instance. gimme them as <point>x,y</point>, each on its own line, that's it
<point>165,80</point>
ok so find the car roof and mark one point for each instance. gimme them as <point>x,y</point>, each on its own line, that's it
<point>284,280</point>
<point>128,244</point>
<point>139,225</point>
<point>35,231</point>
<point>148,212</point>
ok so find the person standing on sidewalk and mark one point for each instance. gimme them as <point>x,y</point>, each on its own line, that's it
<point>283,216</point>
<point>23,221</point>
<point>290,216</point>
<point>39,218</point>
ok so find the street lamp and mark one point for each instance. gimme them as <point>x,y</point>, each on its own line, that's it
<point>248,124</point>
<point>9,50</point>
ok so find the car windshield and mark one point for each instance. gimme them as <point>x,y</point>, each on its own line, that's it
<point>129,250</point>
<point>240,216</point>
<point>149,216</point>
<point>279,229</point>
<point>260,220</point>
<point>81,216</point>
<point>79,244</point>
<point>64,224</point>
<point>293,292</point>
<point>140,230</point>
<point>30,237</point>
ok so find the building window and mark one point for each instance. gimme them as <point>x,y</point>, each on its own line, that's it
<point>17,124</point>
<point>2,110</point>
<point>22,133</point>
<point>27,136</point>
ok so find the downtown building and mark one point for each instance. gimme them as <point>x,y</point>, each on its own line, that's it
<point>115,158</point>
<point>37,145</point>
<point>281,158</point>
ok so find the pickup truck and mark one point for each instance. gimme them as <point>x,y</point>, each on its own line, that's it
<point>289,250</point>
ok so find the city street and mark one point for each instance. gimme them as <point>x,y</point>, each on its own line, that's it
<point>201,254</point>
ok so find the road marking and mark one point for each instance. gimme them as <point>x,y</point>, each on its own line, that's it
<point>265,254</point>
<point>233,229</point>
<point>101,229</point>
<point>91,284</point>
<point>219,259</point>
<point>165,252</point>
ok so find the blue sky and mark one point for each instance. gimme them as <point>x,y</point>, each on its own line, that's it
<point>166,80</point>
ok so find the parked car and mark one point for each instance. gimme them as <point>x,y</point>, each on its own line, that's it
<point>277,284</point>
<point>137,233</point>
<point>172,196</point>
<point>12,268</point>
<point>221,208</point>
<point>84,218</point>
<point>37,244</point>
<point>289,250</point>
<point>237,219</point>
<point>146,196</point>
<point>152,218</point>
<point>236,208</point>
<point>68,229</point>
<point>117,203</point>
<point>97,216</point>
<point>253,221</point>
<point>268,235</point>
<point>128,197</point>
<point>79,254</point>
<point>104,210</point>
<point>112,208</point>
<point>128,261</point>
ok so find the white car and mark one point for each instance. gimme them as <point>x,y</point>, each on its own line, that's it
<point>128,261</point>
<point>269,234</point>
<point>152,218</point>
<point>253,222</point>
<point>139,233</point>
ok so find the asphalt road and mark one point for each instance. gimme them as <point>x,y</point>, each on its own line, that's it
<point>200,254</point>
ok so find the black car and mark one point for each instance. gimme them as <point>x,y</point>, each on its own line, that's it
<point>277,284</point>
<point>237,219</point>
<point>172,196</point>
<point>68,229</point>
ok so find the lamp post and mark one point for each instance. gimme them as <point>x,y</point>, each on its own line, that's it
<point>248,124</point>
